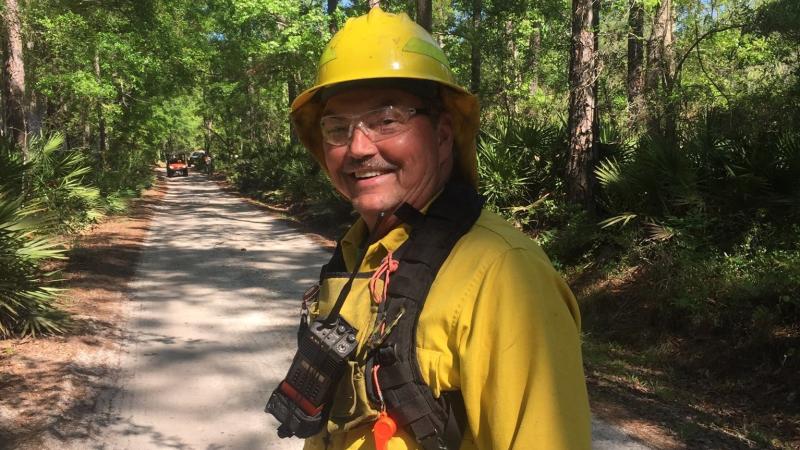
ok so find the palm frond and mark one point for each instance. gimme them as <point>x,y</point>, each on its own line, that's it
<point>608,172</point>
<point>621,219</point>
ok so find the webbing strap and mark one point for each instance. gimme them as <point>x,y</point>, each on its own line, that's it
<point>435,423</point>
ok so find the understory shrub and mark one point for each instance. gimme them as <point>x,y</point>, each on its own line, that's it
<point>288,174</point>
<point>713,228</point>
<point>27,302</point>
<point>520,164</point>
<point>42,199</point>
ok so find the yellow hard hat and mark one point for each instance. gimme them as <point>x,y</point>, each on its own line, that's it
<point>381,45</point>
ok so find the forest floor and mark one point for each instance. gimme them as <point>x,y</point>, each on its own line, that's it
<point>47,383</point>
<point>703,391</point>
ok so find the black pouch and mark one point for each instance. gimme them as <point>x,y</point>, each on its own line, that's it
<point>302,400</point>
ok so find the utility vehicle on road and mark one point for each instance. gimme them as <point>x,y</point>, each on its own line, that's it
<point>176,163</point>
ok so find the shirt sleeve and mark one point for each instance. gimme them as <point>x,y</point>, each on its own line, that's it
<point>521,369</point>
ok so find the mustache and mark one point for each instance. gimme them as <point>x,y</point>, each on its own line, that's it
<point>370,164</point>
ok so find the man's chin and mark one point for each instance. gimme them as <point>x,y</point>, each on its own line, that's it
<point>372,208</point>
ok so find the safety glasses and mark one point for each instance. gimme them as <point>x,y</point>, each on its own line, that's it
<point>377,124</point>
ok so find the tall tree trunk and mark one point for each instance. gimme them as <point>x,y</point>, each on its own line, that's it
<point>509,70</point>
<point>37,107</point>
<point>580,189</point>
<point>635,80</point>
<point>475,59</point>
<point>596,6</point>
<point>535,51</point>
<point>660,70</point>
<point>15,76</point>
<point>425,14</point>
<point>86,135</point>
<point>208,123</point>
<point>291,85</point>
<point>252,113</point>
<point>332,26</point>
<point>101,121</point>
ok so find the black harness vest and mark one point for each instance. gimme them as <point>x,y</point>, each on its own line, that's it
<point>436,423</point>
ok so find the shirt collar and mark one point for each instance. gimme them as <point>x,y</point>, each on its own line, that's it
<point>355,236</point>
<point>354,239</point>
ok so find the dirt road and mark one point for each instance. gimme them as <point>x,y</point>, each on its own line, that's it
<point>211,329</point>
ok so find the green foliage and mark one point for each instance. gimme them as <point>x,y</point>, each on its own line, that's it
<point>519,164</point>
<point>704,189</point>
<point>41,198</point>
<point>57,179</point>
<point>781,17</point>
<point>26,300</point>
<point>749,291</point>
<point>288,174</point>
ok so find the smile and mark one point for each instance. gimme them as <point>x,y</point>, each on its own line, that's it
<point>363,174</point>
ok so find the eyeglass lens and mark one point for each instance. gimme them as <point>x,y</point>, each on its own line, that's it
<point>377,124</point>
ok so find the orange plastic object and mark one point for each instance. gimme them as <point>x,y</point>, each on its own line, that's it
<point>383,430</point>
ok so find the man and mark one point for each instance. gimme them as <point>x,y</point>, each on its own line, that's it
<point>466,336</point>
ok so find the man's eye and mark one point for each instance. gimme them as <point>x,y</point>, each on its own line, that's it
<point>334,126</point>
<point>385,122</point>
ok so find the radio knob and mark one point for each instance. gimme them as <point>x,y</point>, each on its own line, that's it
<point>341,329</point>
<point>351,338</point>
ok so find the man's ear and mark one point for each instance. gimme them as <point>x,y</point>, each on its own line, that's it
<point>444,135</point>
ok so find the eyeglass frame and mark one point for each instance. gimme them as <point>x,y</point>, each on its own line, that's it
<point>356,121</point>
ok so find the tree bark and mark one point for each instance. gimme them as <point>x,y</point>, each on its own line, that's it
<point>291,85</point>
<point>475,59</point>
<point>252,113</point>
<point>15,76</point>
<point>332,26</point>
<point>659,48</point>
<point>635,79</point>
<point>208,124</point>
<point>101,121</point>
<point>596,4</point>
<point>425,14</point>
<point>508,70</point>
<point>86,136</point>
<point>660,72</point>
<point>581,158</point>
<point>374,3</point>
<point>535,51</point>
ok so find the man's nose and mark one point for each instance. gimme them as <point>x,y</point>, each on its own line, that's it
<point>361,145</point>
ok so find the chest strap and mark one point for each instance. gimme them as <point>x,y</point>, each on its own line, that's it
<point>436,423</point>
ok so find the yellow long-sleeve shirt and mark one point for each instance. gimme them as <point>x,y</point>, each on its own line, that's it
<point>499,324</point>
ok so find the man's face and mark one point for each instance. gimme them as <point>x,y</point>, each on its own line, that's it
<point>377,177</point>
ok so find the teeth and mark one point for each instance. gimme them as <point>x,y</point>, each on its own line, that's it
<point>367,174</point>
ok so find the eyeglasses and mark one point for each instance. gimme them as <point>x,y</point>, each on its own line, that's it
<point>377,124</point>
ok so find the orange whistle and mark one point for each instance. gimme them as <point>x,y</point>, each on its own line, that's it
<point>383,430</point>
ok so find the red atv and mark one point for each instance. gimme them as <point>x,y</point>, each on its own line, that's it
<point>177,164</point>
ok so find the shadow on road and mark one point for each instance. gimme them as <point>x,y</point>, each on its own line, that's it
<point>211,331</point>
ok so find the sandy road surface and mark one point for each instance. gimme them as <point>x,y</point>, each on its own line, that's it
<point>211,323</point>
<point>211,329</point>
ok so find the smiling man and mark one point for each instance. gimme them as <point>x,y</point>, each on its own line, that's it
<point>436,325</point>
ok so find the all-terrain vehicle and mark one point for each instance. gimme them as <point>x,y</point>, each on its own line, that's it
<point>176,163</point>
<point>197,159</point>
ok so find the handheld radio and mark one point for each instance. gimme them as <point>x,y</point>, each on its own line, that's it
<point>299,401</point>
